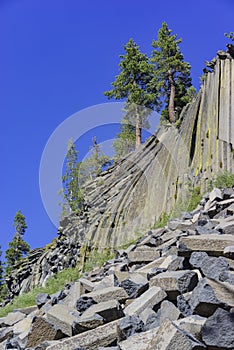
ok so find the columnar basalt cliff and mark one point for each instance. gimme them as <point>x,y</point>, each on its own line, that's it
<point>132,195</point>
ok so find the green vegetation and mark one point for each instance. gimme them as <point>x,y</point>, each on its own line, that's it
<point>97,259</point>
<point>2,282</point>
<point>225,179</point>
<point>53,285</point>
<point>230,35</point>
<point>92,166</point>
<point>172,75</point>
<point>132,84</point>
<point>18,248</point>
<point>71,191</point>
<point>163,220</point>
<point>189,204</point>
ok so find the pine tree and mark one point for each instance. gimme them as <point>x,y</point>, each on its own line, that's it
<point>18,248</point>
<point>172,74</point>
<point>72,194</point>
<point>92,166</point>
<point>125,141</point>
<point>1,276</point>
<point>230,35</point>
<point>132,84</point>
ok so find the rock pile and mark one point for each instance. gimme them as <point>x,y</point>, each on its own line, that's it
<point>173,289</point>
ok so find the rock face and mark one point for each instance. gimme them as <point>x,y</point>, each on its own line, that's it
<point>167,302</point>
<point>133,194</point>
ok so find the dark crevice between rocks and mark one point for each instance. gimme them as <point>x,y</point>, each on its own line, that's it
<point>194,136</point>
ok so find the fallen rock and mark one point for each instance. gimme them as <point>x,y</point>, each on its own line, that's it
<point>128,326</point>
<point>42,331</point>
<point>218,330</point>
<point>13,317</point>
<point>169,337</point>
<point>109,293</point>
<point>102,336</point>
<point>175,282</point>
<point>192,324</point>
<point>109,310</point>
<point>211,267</point>
<point>211,244</point>
<point>151,298</point>
<point>41,299</point>
<point>63,318</point>
<point>139,341</point>
<point>84,302</point>
<point>209,295</point>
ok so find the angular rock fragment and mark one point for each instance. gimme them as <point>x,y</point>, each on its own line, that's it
<point>212,244</point>
<point>84,302</point>
<point>41,299</point>
<point>63,318</point>
<point>109,310</point>
<point>42,331</point>
<point>175,282</point>
<point>143,256</point>
<point>133,289</point>
<point>209,295</point>
<point>218,330</point>
<point>139,341</point>
<point>211,267</point>
<point>169,337</point>
<point>84,324</point>
<point>13,317</point>
<point>151,298</point>
<point>192,324</point>
<point>102,336</point>
<point>129,325</point>
<point>108,293</point>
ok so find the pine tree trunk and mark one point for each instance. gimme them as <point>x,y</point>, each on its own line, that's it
<point>171,106</point>
<point>138,129</point>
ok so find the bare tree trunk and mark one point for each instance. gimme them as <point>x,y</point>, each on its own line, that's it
<point>138,129</point>
<point>171,106</point>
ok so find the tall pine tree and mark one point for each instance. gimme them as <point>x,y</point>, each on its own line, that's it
<point>72,194</point>
<point>92,166</point>
<point>132,84</point>
<point>1,276</point>
<point>18,248</point>
<point>172,74</point>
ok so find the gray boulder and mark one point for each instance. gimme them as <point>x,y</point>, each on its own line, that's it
<point>218,330</point>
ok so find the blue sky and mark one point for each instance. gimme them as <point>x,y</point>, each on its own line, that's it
<point>57,58</point>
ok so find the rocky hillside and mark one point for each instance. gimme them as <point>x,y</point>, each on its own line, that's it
<point>172,290</point>
<point>132,195</point>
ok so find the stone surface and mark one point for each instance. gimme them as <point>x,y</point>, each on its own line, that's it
<point>13,317</point>
<point>62,318</point>
<point>152,297</point>
<point>42,299</point>
<point>212,244</point>
<point>109,310</point>
<point>209,295</point>
<point>42,331</point>
<point>129,325</point>
<point>139,341</point>
<point>143,256</point>
<point>211,267</point>
<point>108,293</point>
<point>192,324</point>
<point>175,282</point>
<point>169,337</point>
<point>84,302</point>
<point>218,330</point>
<point>101,336</point>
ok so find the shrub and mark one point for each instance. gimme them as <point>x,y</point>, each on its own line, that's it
<point>226,179</point>
<point>53,285</point>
